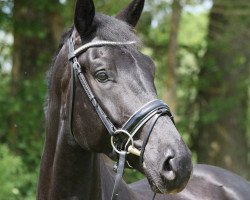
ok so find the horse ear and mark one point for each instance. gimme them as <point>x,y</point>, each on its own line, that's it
<point>131,14</point>
<point>84,15</point>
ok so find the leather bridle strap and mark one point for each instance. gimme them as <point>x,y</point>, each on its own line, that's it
<point>144,114</point>
<point>119,175</point>
<point>78,72</point>
<point>148,133</point>
<point>72,95</point>
<point>104,118</point>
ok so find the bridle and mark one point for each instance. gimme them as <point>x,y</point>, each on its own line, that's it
<point>121,138</point>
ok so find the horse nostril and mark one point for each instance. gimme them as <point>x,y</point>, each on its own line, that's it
<point>167,165</point>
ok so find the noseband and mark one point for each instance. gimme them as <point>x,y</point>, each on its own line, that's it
<point>121,138</point>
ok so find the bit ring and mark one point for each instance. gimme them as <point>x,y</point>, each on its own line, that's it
<point>130,138</point>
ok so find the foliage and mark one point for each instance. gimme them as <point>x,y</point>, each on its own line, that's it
<point>5,15</point>
<point>16,181</point>
<point>192,41</point>
<point>131,175</point>
<point>222,89</point>
<point>22,110</point>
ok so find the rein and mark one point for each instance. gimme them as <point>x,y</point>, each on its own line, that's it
<point>121,139</point>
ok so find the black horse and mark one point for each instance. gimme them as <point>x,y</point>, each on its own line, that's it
<point>100,81</point>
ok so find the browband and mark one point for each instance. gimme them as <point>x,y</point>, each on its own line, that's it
<point>99,43</point>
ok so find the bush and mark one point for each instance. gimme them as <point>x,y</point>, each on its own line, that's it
<point>16,182</point>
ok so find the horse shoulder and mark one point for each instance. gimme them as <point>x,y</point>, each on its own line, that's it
<point>210,182</point>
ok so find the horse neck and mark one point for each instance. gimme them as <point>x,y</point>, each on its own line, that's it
<point>69,172</point>
<point>73,173</point>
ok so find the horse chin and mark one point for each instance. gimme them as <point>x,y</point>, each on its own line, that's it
<point>159,188</point>
<point>163,187</point>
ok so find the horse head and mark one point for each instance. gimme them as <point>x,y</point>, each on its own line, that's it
<point>121,79</point>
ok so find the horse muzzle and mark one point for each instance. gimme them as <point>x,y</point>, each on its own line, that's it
<point>167,160</point>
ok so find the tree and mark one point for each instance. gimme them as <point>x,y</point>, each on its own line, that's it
<point>170,94</point>
<point>223,88</point>
<point>37,28</point>
<point>37,31</point>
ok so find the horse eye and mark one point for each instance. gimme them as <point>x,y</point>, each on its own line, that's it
<point>102,76</point>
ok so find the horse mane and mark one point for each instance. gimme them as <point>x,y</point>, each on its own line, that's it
<point>64,38</point>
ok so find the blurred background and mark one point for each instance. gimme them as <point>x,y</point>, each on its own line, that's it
<point>201,49</point>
